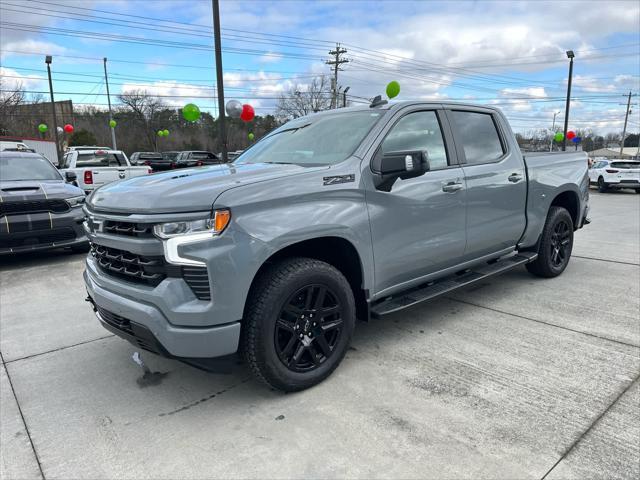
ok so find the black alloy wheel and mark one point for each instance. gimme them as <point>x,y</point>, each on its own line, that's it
<point>560,243</point>
<point>308,328</point>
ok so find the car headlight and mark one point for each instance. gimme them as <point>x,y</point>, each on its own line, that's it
<point>76,201</point>
<point>211,226</point>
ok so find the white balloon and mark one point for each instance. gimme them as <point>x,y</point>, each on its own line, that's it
<point>233,108</point>
<point>60,130</point>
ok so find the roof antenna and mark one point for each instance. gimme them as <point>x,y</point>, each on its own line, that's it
<point>377,101</point>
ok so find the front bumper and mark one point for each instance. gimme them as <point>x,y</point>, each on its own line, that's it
<point>626,184</point>
<point>145,326</point>
<point>41,231</point>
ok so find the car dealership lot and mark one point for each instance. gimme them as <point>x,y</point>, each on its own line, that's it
<point>512,378</point>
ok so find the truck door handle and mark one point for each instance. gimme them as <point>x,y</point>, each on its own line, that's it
<point>451,187</point>
<point>515,177</point>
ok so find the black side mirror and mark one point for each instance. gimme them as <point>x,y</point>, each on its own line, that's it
<point>70,177</point>
<point>390,166</point>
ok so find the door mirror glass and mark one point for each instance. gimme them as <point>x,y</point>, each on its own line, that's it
<point>393,165</point>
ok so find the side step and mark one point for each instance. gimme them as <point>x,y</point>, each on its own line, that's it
<point>448,284</point>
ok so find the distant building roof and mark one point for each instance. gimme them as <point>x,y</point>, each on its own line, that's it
<point>614,153</point>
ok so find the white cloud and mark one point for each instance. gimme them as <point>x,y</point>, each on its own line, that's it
<point>270,57</point>
<point>12,80</point>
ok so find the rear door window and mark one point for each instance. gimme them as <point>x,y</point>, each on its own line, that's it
<point>478,134</point>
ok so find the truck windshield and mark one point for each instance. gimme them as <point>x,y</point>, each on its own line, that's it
<point>27,168</point>
<point>325,140</point>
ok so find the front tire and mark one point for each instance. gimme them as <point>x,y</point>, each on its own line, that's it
<point>298,323</point>
<point>602,186</point>
<point>555,246</point>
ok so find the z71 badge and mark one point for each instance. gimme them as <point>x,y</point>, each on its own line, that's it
<point>339,179</point>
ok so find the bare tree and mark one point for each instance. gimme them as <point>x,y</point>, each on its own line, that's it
<point>10,99</point>
<point>302,100</point>
<point>145,109</point>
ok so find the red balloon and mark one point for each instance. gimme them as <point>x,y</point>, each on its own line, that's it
<point>247,113</point>
<point>571,135</point>
<point>68,128</point>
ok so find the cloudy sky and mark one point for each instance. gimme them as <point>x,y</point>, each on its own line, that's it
<point>507,53</point>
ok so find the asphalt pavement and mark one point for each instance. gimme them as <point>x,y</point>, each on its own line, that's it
<point>515,377</point>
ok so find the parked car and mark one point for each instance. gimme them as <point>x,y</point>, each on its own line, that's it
<point>196,158</point>
<point>39,208</point>
<point>348,213</point>
<point>155,160</point>
<point>94,168</point>
<point>233,155</point>
<point>615,174</point>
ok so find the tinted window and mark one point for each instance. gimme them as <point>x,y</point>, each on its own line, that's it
<point>95,159</point>
<point>478,135</point>
<point>203,156</point>
<point>27,168</point>
<point>418,131</point>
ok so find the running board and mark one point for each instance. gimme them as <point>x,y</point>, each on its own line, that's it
<point>448,284</point>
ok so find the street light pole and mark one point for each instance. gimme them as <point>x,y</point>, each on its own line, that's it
<point>113,130</point>
<point>220,87</point>
<point>553,128</point>
<point>344,97</point>
<point>570,56</point>
<point>48,59</point>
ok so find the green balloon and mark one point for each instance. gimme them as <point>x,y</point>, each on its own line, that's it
<point>161,133</point>
<point>393,89</point>
<point>42,128</point>
<point>112,123</point>
<point>558,137</point>
<point>251,136</point>
<point>191,112</point>
<point>165,132</point>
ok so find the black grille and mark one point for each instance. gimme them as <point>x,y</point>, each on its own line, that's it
<point>135,333</point>
<point>128,228</point>
<point>116,321</point>
<point>33,206</point>
<point>628,181</point>
<point>198,280</point>
<point>132,267</point>
<point>42,237</point>
<point>150,270</point>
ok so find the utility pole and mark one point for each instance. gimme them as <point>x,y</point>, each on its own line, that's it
<point>336,62</point>
<point>106,82</point>
<point>220,87</point>
<point>626,119</point>
<point>553,129</point>
<point>48,59</point>
<point>570,56</point>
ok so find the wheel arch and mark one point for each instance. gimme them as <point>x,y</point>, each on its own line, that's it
<point>570,201</point>
<point>336,251</point>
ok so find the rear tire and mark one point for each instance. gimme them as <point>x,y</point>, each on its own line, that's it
<point>637,190</point>
<point>555,246</point>
<point>298,323</point>
<point>602,186</point>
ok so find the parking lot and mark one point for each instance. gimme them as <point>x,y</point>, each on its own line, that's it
<point>517,377</point>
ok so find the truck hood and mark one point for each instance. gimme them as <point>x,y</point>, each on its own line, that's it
<point>188,190</point>
<point>24,190</point>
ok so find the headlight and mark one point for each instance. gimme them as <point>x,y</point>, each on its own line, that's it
<point>212,226</point>
<point>76,201</point>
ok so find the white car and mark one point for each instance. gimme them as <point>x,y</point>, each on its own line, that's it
<point>614,173</point>
<point>94,168</point>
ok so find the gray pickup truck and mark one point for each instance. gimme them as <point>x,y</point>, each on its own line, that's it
<point>345,214</point>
